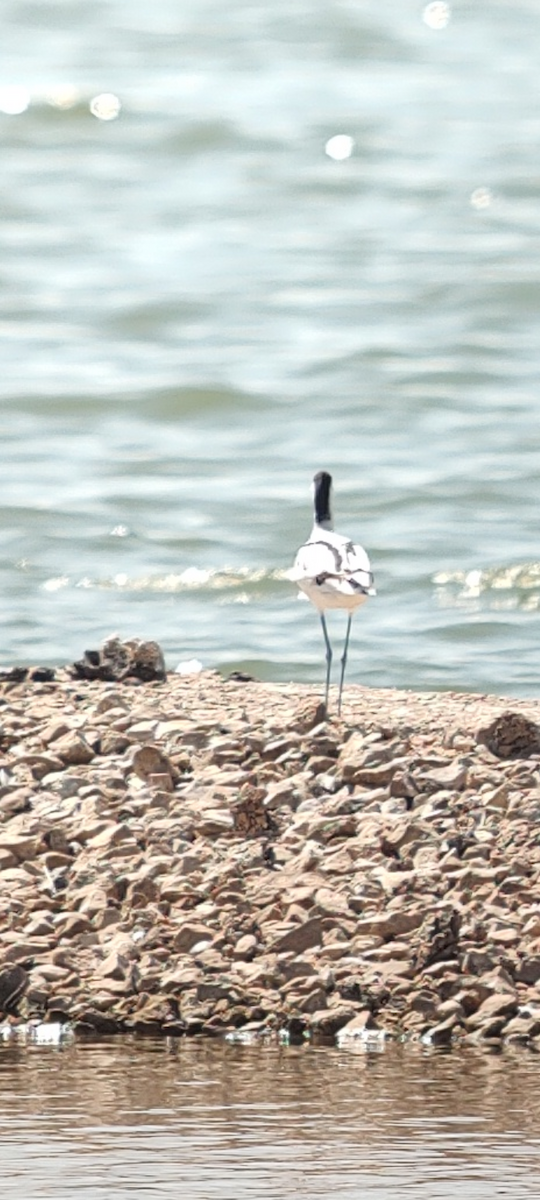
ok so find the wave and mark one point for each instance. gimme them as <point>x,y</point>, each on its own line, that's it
<point>502,587</point>
<point>192,579</point>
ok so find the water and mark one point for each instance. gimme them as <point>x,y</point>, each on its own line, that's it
<point>200,307</point>
<point>132,1120</point>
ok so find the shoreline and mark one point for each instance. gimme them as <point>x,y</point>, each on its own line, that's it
<point>195,855</point>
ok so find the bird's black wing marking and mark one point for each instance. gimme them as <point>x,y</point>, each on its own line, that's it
<point>358,587</point>
<point>343,570</point>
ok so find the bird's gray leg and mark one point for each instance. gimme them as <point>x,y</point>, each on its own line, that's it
<point>328,658</point>
<point>344,662</point>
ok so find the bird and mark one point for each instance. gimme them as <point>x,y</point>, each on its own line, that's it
<point>332,571</point>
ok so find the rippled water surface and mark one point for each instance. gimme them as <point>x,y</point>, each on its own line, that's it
<point>211,1121</point>
<point>201,305</point>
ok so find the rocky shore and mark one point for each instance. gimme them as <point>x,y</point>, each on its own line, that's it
<point>197,855</point>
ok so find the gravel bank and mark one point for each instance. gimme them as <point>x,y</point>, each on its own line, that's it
<point>197,855</point>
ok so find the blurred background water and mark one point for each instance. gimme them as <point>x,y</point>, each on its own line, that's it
<point>238,243</point>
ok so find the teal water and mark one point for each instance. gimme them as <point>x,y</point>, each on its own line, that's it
<point>200,307</point>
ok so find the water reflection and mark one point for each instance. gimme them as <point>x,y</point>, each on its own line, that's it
<point>149,1118</point>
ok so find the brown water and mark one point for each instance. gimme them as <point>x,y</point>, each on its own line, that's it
<point>125,1119</point>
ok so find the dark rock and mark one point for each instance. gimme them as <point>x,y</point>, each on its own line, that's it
<point>92,1022</point>
<point>326,1022</point>
<point>529,970</point>
<point>251,817</point>
<point>493,1013</point>
<point>14,675</point>
<point>117,661</point>
<point>443,1033</point>
<point>370,997</point>
<point>439,939</point>
<point>296,1028</point>
<point>269,856</point>
<point>13,984</point>
<point>512,735</point>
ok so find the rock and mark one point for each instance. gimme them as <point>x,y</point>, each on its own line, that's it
<point>511,735</point>
<point>478,962</point>
<point>315,1001</point>
<point>390,924</point>
<point>72,924</point>
<point>213,823</point>
<point>73,750</point>
<point>425,1003</point>
<point>250,814</point>
<point>327,1022</point>
<point>522,1028</point>
<point>156,1015</point>
<point>528,970</point>
<point>20,848</point>
<point>149,761</point>
<point>499,798</point>
<point>189,936</point>
<point>114,966</point>
<point>443,1033</point>
<point>246,947</point>
<point>353,771</point>
<point>14,982</point>
<point>112,835</point>
<point>493,1014</point>
<point>50,972</point>
<point>439,938</point>
<point>452,777</point>
<point>117,660</point>
<point>301,937</point>
<point>91,1020</point>
<point>359,1026</point>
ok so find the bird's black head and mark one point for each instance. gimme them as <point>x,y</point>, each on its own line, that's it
<point>322,488</point>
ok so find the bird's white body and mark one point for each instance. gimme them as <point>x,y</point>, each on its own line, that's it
<point>332,571</point>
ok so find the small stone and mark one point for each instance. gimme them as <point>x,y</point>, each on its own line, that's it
<point>213,823</point>
<point>443,1033</point>
<point>452,777</point>
<point>528,970</point>
<point>114,966</point>
<point>281,793</point>
<point>522,1028</point>
<point>246,947</point>
<point>301,937</point>
<point>189,936</point>
<point>73,749</point>
<point>495,1009</point>
<point>22,848</point>
<point>250,815</point>
<point>72,924</point>
<point>149,760</point>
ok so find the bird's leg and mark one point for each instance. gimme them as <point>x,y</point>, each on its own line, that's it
<point>344,662</point>
<point>328,659</point>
